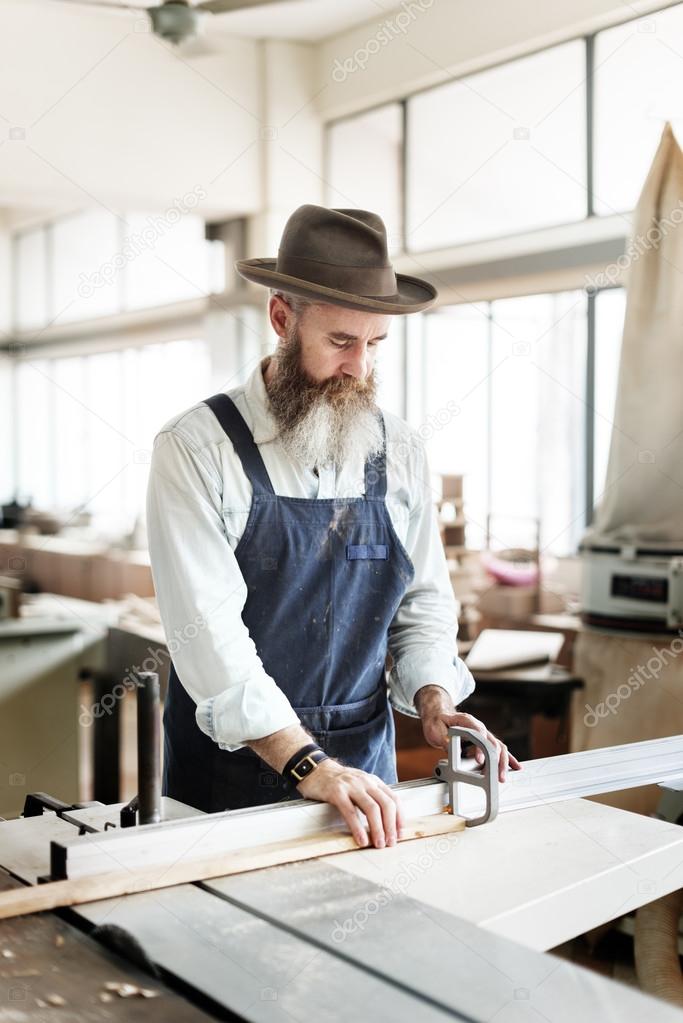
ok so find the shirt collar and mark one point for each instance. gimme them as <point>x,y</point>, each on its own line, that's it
<point>263,425</point>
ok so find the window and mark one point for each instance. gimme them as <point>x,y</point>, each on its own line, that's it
<point>390,369</point>
<point>538,414</point>
<point>171,266</point>
<point>609,322</point>
<point>504,404</point>
<point>638,84</point>
<point>453,420</point>
<point>31,309</point>
<point>81,246</point>
<point>505,150</point>
<point>86,425</point>
<point>498,152</point>
<point>364,166</point>
<point>94,264</point>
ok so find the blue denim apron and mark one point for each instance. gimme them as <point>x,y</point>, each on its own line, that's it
<point>324,580</point>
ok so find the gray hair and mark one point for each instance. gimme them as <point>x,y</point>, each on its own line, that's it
<point>297,304</point>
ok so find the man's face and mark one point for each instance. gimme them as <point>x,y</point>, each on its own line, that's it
<point>337,342</point>
<point>322,382</point>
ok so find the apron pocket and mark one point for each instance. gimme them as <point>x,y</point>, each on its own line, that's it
<point>358,734</point>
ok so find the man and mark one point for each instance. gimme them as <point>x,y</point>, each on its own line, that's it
<point>294,542</point>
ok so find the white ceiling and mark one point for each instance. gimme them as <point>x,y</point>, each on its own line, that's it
<point>290,19</point>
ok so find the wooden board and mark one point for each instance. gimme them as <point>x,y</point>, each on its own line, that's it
<point>548,780</point>
<point>56,894</point>
<point>216,833</point>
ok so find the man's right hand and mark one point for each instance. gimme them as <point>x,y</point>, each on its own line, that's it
<point>351,790</point>
<point>346,788</point>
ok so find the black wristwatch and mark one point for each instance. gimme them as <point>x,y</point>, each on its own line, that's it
<point>303,763</point>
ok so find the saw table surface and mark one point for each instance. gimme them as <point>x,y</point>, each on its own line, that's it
<point>433,929</point>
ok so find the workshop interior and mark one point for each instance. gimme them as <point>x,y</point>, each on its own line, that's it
<point>177,181</point>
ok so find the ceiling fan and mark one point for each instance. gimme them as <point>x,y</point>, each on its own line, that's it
<point>178,20</point>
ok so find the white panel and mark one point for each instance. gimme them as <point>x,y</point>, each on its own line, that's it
<point>167,258</point>
<point>31,280</point>
<point>638,86</point>
<point>454,425</point>
<point>83,247</point>
<point>609,323</point>
<point>498,152</point>
<point>538,415</point>
<point>364,166</point>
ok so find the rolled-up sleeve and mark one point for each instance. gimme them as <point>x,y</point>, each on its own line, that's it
<point>201,594</point>
<point>423,633</point>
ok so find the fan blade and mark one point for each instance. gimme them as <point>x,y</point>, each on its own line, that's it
<point>105,3</point>
<point>223,6</point>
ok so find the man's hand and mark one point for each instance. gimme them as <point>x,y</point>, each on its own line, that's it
<point>351,790</point>
<point>438,713</point>
<point>346,788</point>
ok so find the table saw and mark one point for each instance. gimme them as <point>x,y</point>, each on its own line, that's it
<point>454,925</point>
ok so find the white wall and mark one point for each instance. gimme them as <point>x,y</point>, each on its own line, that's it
<point>104,113</point>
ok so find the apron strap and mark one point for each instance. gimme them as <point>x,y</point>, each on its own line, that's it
<point>376,469</point>
<point>229,417</point>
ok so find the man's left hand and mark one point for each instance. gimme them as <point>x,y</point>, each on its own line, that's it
<point>438,713</point>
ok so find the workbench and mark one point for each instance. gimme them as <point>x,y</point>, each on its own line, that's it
<point>444,928</point>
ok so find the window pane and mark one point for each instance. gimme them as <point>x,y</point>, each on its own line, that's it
<point>498,152</point>
<point>364,168</point>
<point>638,86</point>
<point>537,419</point>
<point>31,280</point>
<point>609,324</point>
<point>83,246</point>
<point>391,370</point>
<point>167,259</point>
<point>86,426</point>
<point>454,423</point>
<point>73,423</point>
<point>107,446</point>
<point>7,430</point>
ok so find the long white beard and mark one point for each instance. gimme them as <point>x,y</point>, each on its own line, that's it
<point>326,435</point>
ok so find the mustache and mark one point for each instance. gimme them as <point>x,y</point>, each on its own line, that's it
<point>294,387</point>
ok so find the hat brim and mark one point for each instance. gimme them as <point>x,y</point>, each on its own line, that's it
<point>412,296</point>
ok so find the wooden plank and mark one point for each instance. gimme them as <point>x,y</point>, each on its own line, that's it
<point>552,779</point>
<point>215,833</point>
<point>49,967</point>
<point>25,841</point>
<point>122,882</point>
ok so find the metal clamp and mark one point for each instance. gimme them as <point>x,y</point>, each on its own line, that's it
<point>451,772</point>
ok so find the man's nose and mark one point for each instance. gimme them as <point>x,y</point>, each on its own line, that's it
<point>356,363</point>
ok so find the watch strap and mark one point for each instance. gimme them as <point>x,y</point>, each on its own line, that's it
<point>303,763</point>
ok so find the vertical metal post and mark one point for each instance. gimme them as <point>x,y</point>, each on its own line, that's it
<point>149,748</point>
<point>106,737</point>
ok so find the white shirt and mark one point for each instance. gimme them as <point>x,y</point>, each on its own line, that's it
<point>198,501</point>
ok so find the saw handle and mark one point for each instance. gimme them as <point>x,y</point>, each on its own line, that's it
<point>451,772</point>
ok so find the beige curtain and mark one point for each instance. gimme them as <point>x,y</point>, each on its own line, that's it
<point>643,495</point>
